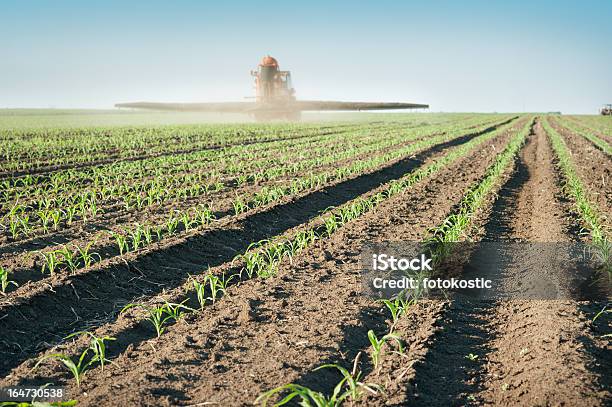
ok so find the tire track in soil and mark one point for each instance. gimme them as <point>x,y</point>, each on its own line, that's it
<point>530,352</point>
<point>23,325</point>
<point>276,331</point>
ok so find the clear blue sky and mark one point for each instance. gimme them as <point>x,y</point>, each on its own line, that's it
<point>456,56</point>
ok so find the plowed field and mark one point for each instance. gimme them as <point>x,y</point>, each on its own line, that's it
<point>212,264</point>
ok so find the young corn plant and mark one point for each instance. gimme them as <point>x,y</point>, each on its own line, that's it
<point>377,345</point>
<point>147,232</point>
<point>172,224</point>
<point>218,285</point>
<point>203,215</point>
<point>56,216</point>
<point>200,289</point>
<point>121,240</point>
<point>253,259</point>
<point>51,261</point>
<point>77,368</point>
<point>161,315</point>
<point>69,258</point>
<point>331,224</point>
<point>187,221</point>
<point>4,279</point>
<point>83,363</point>
<point>136,235</point>
<point>14,223</point>
<point>398,306</point>
<point>307,397</point>
<point>159,232</point>
<point>239,206</point>
<point>348,388</point>
<point>45,217</point>
<point>86,256</point>
<point>96,345</point>
<point>70,214</point>
<point>24,222</point>
<point>355,388</point>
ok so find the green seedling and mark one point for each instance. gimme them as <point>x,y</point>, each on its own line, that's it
<point>4,281</point>
<point>56,216</point>
<point>70,258</point>
<point>172,224</point>
<point>45,217</point>
<point>200,291</point>
<point>159,232</point>
<point>70,213</point>
<point>217,285</point>
<point>377,345</point>
<point>121,241</point>
<point>160,316</point>
<point>331,224</point>
<point>203,215</point>
<point>78,368</point>
<point>136,235</point>
<point>310,398</point>
<point>51,261</point>
<point>355,387</point>
<point>96,345</point>
<point>186,220</point>
<point>86,256</point>
<point>398,306</point>
<point>239,206</point>
<point>147,232</point>
<point>472,357</point>
<point>14,227</point>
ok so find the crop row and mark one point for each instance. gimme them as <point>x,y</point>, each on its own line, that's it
<point>212,163</point>
<point>230,156</point>
<point>576,190</point>
<point>597,123</point>
<point>230,159</point>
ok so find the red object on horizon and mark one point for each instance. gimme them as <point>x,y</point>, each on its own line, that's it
<point>274,99</point>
